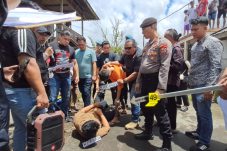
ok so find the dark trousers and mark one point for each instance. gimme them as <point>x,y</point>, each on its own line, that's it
<point>94,90</point>
<point>149,84</point>
<point>85,89</point>
<point>123,99</point>
<point>4,118</point>
<point>171,107</point>
<point>183,86</point>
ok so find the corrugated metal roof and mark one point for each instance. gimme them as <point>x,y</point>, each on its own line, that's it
<point>82,7</point>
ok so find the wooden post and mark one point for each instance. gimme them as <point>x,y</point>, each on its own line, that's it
<point>82,26</point>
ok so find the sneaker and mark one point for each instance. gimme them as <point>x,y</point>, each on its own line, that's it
<point>192,134</point>
<point>144,136</point>
<point>163,149</point>
<point>131,125</point>
<point>200,147</point>
<point>184,108</point>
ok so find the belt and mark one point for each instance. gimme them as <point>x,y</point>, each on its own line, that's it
<point>148,75</point>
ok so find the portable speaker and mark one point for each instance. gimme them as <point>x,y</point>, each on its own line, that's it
<point>45,132</point>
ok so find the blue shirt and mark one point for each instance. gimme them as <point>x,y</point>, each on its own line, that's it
<point>85,58</point>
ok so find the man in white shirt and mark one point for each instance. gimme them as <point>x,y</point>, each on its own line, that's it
<point>192,13</point>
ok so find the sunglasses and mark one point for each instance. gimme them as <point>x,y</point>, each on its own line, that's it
<point>127,48</point>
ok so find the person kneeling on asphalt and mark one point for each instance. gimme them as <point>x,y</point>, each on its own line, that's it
<point>91,122</point>
<point>114,73</point>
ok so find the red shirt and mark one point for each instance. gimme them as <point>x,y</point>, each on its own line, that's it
<point>202,8</point>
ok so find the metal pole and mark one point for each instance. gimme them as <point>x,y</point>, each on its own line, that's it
<point>62,10</point>
<point>180,93</point>
<point>62,6</point>
<point>143,41</point>
<point>82,26</point>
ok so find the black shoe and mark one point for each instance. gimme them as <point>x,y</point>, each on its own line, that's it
<point>163,149</point>
<point>200,147</point>
<point>192,134</point>
<point>144,136</point>
<point>174,131</point>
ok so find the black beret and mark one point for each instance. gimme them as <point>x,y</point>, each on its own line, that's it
<point>148,22</point>
<point>200,20</point>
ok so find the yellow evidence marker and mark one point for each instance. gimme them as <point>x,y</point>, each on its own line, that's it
<point>153,99</point>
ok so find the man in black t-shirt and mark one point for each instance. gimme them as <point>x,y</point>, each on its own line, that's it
<point>131,60</point>
<point>4,104</point>
<point>221,11</point>
<point>104,58</point>
<point>19,47</point>
<point>61,80</point>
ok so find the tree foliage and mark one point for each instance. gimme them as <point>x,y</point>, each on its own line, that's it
<point>115,37</point>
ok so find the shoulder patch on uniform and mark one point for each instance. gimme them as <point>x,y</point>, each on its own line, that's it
<point>163,48</point>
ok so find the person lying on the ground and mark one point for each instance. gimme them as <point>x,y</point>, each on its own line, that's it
<point>114,73</point>
<point>91,122</point>
<point>108,111</point>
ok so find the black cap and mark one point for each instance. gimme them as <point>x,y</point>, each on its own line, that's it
<point>42,30</point>
<point>148,22</point>
<point>200,20</point>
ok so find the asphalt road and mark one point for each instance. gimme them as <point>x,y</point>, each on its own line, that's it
<point>119,139</point>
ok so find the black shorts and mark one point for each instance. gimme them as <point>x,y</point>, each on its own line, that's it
<point>221,12</point>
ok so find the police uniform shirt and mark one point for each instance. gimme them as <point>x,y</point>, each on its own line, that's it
<point>13,42</point>
<point>156,58</point>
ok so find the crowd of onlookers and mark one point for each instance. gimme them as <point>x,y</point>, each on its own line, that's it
<point>213,10</point>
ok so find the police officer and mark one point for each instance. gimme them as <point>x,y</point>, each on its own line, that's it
<point>153,77</point>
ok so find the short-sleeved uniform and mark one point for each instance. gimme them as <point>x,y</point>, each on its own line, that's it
<point>153,75</point>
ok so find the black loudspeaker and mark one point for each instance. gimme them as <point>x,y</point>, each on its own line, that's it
<point>45,132</point>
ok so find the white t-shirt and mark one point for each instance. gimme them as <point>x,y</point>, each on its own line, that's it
<point>186,21</point>
<point>192,13</point>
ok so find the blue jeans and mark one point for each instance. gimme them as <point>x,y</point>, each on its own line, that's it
<point>204,118</point>
<point>21,101</point>
<point>135,108</point>
<point>85,90</point>
<point>60,82</point>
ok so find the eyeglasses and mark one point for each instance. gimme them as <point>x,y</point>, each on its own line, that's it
<point>127,48</point>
